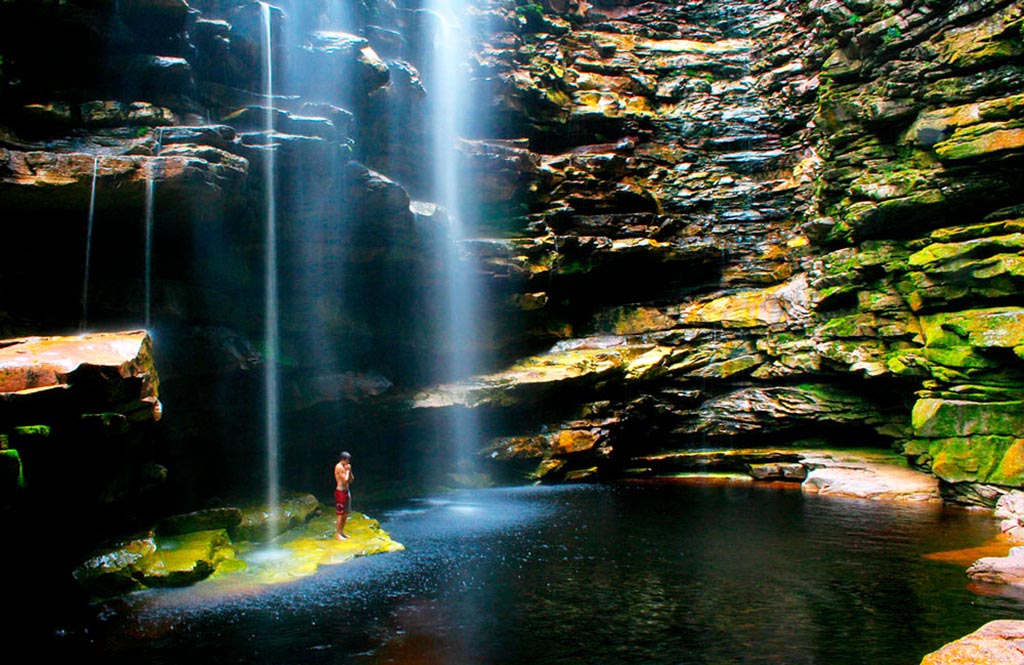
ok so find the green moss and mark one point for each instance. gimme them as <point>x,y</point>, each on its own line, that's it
<point>856,325</point>
<point>12,473</point>
<point>32,430</point>
<point>996,327</point>
<point>183,560</point>
<point>940,418</point>
<point>996,460</point>
<point>959,357</point>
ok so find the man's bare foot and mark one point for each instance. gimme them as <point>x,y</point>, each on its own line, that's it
<point>340,536</point>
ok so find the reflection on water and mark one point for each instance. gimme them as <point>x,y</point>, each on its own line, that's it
<point>600,575</point>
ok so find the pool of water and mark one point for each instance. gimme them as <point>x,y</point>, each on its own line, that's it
<point>583,575</point>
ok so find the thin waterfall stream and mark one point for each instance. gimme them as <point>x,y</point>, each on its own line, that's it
<point>449,103</point>
<point>271,313</point>
<point>150,204</point>
<point>88,244</point>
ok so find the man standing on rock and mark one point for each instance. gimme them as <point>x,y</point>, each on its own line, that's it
<point>342,495</point>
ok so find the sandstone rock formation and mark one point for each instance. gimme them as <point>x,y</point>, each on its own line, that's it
<point>996,642</point>
<point>712,225</point>
<point>77,412</point>
<point>187,549</point>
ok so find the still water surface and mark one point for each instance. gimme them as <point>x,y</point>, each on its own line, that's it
<point>584,575</point>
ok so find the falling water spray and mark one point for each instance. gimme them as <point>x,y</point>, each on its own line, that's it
<point>450,100</point>
<point>271,332</point>
<point>150,204</point>
<point>88,245</point>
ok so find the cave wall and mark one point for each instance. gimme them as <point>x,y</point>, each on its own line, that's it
<point>697,225</point>
<point>760,224</point>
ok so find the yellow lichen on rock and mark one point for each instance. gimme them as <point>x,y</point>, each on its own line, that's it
<point>306,549</point>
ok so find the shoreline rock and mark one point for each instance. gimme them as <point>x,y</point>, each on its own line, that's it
<point>1000,641</point>
<point>861,474</point>
<point>220,544</point>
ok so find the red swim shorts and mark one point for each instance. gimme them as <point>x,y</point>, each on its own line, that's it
<point>341,500</point>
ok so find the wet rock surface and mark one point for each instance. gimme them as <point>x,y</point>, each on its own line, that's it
<point>56,392</point>
<point>717,225</point>
<point>996,642</point>
<point>218,545</point>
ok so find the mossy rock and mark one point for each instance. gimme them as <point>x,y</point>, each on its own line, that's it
<point>993,460</point>
<point>200,520</point>
<point>293,510</point>
<point>982,141</point>
<point>941,418</point>
<point>997,327</point>
<point>111,572</point>
<point>184,560</point>
<point>12,476</point>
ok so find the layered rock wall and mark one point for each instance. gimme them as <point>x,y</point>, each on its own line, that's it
<point>756,224</point>
<point>696,225</point>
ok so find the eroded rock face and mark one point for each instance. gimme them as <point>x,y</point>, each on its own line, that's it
<point>80,412</point>
<point>857,186</point>
<point>729,223</point>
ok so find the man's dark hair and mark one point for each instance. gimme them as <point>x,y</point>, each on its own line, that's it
<point>344,456</point>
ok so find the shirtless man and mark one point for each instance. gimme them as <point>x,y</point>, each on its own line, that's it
<point>342,495</point>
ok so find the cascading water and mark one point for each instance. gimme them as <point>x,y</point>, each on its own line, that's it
<point>88,245</point>
<point>148,270</point>
<point>150,204</point>
<point>272,325</point>
<point>448,112</point>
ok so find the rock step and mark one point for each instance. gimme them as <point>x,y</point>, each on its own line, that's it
<point>873,474</point>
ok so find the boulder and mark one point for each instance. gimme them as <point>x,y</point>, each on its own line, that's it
<point>183,560</point>
<point>1010,511</point>
<point>1000,570</point>
<point>342,67</point>
<point>257,521</point>
<point>779,408</point>
<point>56,392</point>
<point>1000,641</point>
<point>111,571</point>
<point>110,372</point>
<point>874,476</point>
<point>200,520</point>
<point>784,304</point>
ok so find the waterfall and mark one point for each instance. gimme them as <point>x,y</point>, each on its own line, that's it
<point>150,191</point>
<point>148,270</point>
<point>88,245</point>
<point>271,331</point>
<point>448,111</point>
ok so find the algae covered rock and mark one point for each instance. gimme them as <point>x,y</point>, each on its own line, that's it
<point>257,522</point>
<point>200,520</point>
<point>184,559</point>
<point>112,571</point>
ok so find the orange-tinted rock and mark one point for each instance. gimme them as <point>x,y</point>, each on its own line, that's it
<point>996,642</point>
<point>574,441</point>
<point>32,364</point>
